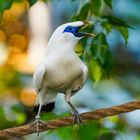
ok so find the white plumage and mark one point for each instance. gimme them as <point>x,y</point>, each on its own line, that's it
<point>62,70</point>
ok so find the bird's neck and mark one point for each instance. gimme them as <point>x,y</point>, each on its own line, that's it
<point>60,46</point>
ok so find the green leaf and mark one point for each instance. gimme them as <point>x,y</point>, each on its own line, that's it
<point>66,133</point>
<point>119,24</point>
<point>5,5</point>
<point>115,21</point>
<point>95,71</point>
<point>46,1</point>
<point>95,6</point>
<point>90,131</point>
<point>99,48</point>
<point>108,3</point>
<point>18,1</point>
<point>79,49</point>
<point>108,64</point>
<point>124,33</point>
<point>100,52</point>
<point>32,2</point>
<point>83,12</point>
<point>107,26</point>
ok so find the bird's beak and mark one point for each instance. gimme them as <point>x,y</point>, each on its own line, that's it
<point>86,24</point>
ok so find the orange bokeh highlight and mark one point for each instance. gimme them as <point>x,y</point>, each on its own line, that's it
<point>28,97</point>
<point>17,40</point>
<point>14,13</point>
<point>2,36</point>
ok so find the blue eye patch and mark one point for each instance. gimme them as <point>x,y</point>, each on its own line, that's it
<point>73,30</point>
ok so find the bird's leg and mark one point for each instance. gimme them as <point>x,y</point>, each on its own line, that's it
<point>77,117</point>
<point>37,119</point>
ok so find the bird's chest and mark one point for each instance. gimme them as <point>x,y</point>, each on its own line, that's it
<point>63,71</point>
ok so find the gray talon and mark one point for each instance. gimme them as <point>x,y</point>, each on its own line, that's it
<point>37,117</point>
<point>37,122</point>
<point>77,118</point>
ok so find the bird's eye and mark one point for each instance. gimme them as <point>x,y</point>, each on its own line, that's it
<point>70,28</point>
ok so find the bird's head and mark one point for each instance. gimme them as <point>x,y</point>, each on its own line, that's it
<point>69,32</point>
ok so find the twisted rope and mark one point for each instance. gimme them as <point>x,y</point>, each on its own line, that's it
<point>67,121</point>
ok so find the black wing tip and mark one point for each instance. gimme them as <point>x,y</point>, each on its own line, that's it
<point>49,107</point>
<point>35,110</point>
<point>45,108</point>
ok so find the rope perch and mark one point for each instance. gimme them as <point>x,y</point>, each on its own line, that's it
<point>67,121</point>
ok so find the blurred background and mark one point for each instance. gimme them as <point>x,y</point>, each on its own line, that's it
<point>113,58</point>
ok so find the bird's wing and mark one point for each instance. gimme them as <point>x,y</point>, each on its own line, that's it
<point>85,71</point>
<point>38,77</point>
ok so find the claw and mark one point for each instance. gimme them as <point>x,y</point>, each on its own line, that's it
<point>77,118</point>
<point>37,123</point>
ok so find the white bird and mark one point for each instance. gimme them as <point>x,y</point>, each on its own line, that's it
<point>61,70</point>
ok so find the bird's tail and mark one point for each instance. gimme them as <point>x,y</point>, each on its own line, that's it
<point>45,108</point>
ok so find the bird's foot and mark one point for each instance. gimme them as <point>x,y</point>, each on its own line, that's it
<point>37,123</point>
<point>78,119</point>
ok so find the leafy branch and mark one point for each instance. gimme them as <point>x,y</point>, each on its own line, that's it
<point>98,55</point>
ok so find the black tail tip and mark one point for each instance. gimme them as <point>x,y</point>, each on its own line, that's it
<point>45,108</point>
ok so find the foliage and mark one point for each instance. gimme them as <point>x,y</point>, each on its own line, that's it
<point>96,53</point>
<point>7,81</point>
<point>6,4</point>
<point>99,55</point>
<point>13,116</point>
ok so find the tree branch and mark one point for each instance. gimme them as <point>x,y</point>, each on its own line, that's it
<point>67,121</point>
